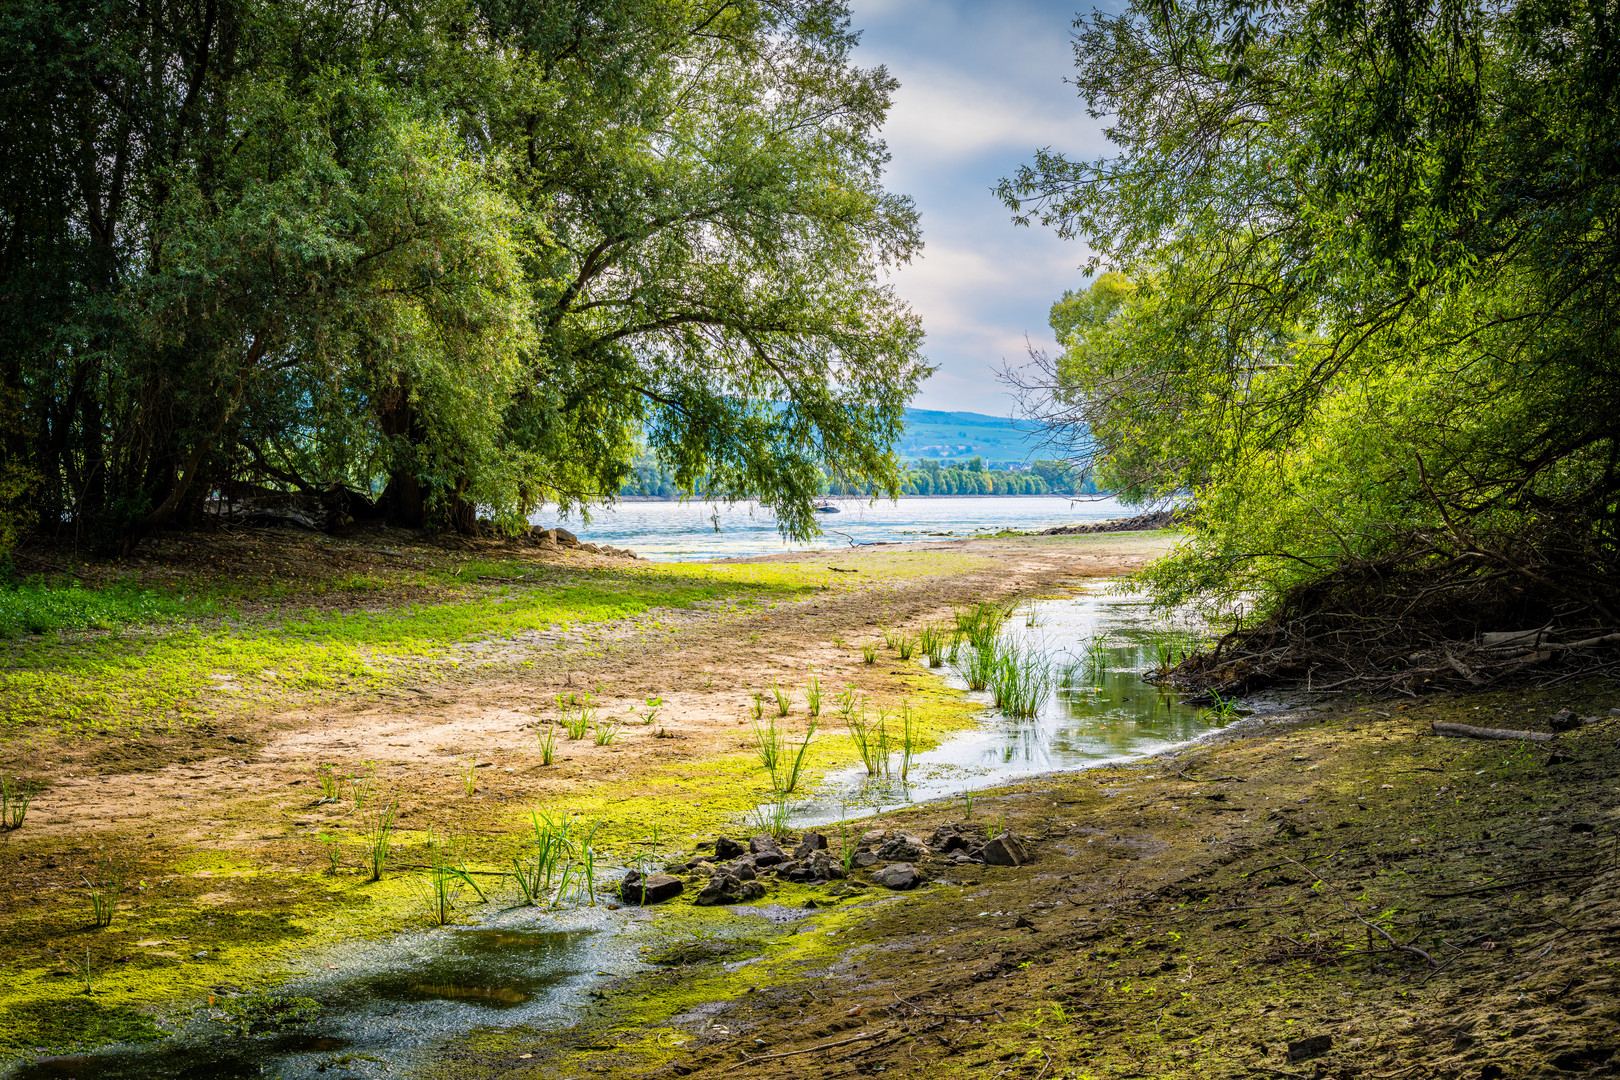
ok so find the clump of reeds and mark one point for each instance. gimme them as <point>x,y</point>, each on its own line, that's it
<point>446,877</point>
<point>791,769</point>
<point>783,702</point>
<point>812,697</point>
<point>377,829</point>
<point>469,776</point>
<point>547,740</point>
<point>653,704</point>
<point>606,731</point>
<point>848,701</point>
<point>931,640</point>
<point>331,783</point>
<point>869,654</point>
<point>105,882</point>
<point>15,795</point>
<point>772,817</point>
<point>577,716</point>
<point>767,744</point>
<point>871,743</point>
<point>908,741</point>
<point>1020,679</point>
<point>905,645</point>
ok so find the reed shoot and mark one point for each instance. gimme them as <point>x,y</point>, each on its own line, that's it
<point>105,883</point>
<point>931,641</point>
<point>783,701</point>
<point>768,745</point>
<point>607,731</point>
<point>869,654</point>
<point>905,645</point>
<point>331,783</point>
<point>654,703</point>
<point>772,817</point>
<point>15,796</point>
<point>847,701</point>
<point>908,742</point>
<point>793,768</point>
<point>547,739</point>
<point>812,697</point>
<point>758,710</point>
<point>871,743</point>
<point>469,776</point>
<point>377,827</point>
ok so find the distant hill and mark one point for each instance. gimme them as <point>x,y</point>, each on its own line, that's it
<point>952,436</point>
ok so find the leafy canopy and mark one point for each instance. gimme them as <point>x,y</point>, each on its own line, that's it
<point>1361,305</point>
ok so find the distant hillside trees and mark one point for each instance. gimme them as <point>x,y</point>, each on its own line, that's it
<point>973,477</point>
<point>451,256</point>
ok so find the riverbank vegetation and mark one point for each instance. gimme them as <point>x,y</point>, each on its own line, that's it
<point>970,476</point>
<point>441,265</point>
<point>1361,310</point>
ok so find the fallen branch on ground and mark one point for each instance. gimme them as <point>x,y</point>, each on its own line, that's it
<point>811,1049</point>
<point>1468,731</point>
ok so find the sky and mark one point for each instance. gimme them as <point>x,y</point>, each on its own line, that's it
<point>981,89</point>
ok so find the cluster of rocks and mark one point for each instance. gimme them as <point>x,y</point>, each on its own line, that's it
<point>731,872</point>
<point>1162,519</point>
<point>558,539</point>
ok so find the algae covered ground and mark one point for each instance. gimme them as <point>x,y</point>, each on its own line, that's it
<point>1327,889</point>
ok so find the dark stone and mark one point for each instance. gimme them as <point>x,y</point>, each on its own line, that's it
<point>866,858</point>
<point>1300,1049</point>
<point>725,848</point>
<point>725,889</point>
<point>1005,850</point>
<point>743,870</point>
<point>898,876</point>
<point>903,846</point>
<point>825,866</point>
<point>1564,720</point>
<point>656,889</point>
<point>701,860</point>
<point>785,868</point>
<point>813,841</point>
<point>950,842</point>
<point>564,537</point>
<point>765,851</point>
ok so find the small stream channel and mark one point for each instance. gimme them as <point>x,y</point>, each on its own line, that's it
<point>387,1005</point>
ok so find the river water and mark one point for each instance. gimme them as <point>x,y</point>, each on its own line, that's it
<point>390,1005</point>
<point>679,532</point>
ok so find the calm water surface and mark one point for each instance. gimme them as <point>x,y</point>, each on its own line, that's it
<point>672,531</point>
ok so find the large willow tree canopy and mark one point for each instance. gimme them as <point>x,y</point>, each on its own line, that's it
<point>462,256</point>
<point>1363,301</point>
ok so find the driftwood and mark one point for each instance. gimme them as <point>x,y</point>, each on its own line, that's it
<point>1468,731</point>
<point>810,1049</point>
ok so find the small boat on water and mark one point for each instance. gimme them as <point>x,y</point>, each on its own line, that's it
<point>826,508</point>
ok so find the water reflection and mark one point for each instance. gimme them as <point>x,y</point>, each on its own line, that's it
<point>1099,710</point>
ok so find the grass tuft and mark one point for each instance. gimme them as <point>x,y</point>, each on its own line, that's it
<point>15,795</point>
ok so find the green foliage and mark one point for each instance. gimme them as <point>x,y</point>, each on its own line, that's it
<point>15,795</point>
<point>471,259</point>
<point>1360,309</point>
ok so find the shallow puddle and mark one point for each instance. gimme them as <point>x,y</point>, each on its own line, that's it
<point>391,1002</point>
<point>1098,710</point>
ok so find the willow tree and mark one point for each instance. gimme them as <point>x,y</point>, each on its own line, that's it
<point>461,257</point>
<point>1369,321</point>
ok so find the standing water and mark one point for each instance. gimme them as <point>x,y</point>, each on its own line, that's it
<point>1089,652</point>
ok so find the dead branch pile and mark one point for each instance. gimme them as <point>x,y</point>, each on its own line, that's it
<point>1428,617</point>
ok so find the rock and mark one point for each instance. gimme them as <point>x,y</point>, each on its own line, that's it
<point>783,869</point>
<point>1564,720</point>
<point>1300,1049</point>
<point>725,849</point>
<point>866,858</point>
<point>813,841</point>
<point>725,889</point>
<point>744,871</point>
<point>825,867</point>
<point>949,843</point>
<point>591,549</point>
<point>964,857</point>
<point>765,851</point>
<point>1005,850</point>
<point>876,836</point>
<point>903,846</point>
<point>564,537</point>
<point>656,889</point>
<point>898,875</point>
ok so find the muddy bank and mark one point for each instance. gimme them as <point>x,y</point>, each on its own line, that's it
<point>1333,892</point>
